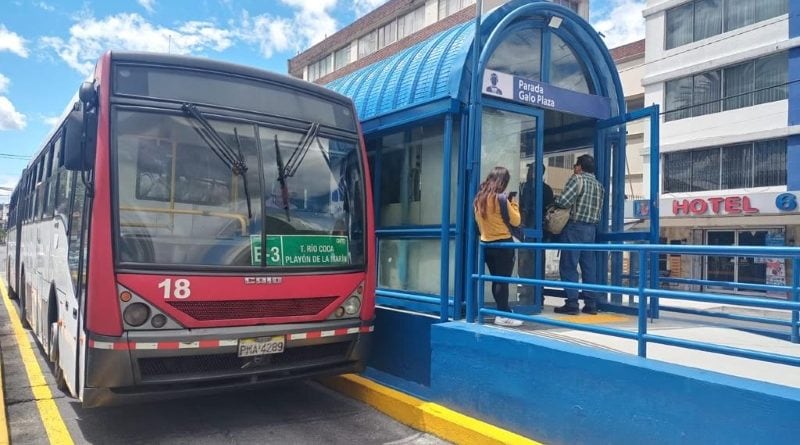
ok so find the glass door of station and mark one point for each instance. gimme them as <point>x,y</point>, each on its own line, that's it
<point>510,136</point>
<point>742,269</point>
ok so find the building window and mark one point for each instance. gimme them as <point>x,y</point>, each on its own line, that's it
<point>387,34</point>
<point>752,164</point>
<point>319,69</point>
<point>750,83</point>
<point>367,44</point>
<point>571,4</point>
<point>341,58</point>
<point>701,19</point>
<point>450,7</point>
<point>411,23</point>
<point>634,103</point>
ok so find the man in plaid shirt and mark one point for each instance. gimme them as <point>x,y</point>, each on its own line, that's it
<point>583,194</point>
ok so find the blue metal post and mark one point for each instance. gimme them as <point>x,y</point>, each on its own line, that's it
<point>473,164</point>
<point>642,343</point>
<point>480,283</point>
<point>602,173</point>
<point>444,252</point>
<point>461,209</point>
<point>618,217</point>
<point>796,298</point>
<point>654,196</point>
<point>539,254</point>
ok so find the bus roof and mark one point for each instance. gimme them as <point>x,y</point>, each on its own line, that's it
<point>203,63</point>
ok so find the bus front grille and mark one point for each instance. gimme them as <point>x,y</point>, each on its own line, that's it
<point>211,364</point>
<point>241,309</point>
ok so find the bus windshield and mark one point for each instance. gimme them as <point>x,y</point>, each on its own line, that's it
<point>180,203</point>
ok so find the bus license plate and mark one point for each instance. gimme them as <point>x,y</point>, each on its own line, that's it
<point>249,347</point>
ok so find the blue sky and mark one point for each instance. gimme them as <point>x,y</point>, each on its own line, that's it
<point>47,47</point>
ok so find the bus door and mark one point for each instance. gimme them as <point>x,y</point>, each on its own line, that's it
<point>71,310</point>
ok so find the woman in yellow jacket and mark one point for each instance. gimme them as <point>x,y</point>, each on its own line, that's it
<point>493,229</point>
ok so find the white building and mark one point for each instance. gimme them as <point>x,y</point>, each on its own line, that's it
<point>724,74</point>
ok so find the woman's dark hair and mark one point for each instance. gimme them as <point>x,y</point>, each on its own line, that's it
<point>496,182</point>
<point>587,163</point>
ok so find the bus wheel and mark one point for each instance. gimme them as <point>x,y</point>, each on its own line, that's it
<point>53,354</point>
<point>23,312</point>
<point>11,294</point>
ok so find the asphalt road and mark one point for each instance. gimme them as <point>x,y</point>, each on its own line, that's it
<point>302,412</point>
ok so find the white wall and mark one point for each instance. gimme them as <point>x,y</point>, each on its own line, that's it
<point>727,127</point>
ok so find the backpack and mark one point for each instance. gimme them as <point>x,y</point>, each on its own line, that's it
<point>516,232</point>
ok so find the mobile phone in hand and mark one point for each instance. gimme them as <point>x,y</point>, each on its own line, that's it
<point>512,195</point>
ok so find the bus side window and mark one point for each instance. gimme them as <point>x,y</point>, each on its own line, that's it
<point>52,180</point>
<point>37,191</point>
<point>75,220</point>
<point>64,194</point>
<point>44,185</point>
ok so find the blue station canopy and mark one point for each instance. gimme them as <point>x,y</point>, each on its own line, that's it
<point>436,70</point>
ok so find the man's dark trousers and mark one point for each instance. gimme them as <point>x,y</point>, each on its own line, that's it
<point>579,233</point>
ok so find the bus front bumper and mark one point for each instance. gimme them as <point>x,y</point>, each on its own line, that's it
<point>151,365</point>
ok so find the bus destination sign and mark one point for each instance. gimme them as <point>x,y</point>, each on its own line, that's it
<point>301,250</point>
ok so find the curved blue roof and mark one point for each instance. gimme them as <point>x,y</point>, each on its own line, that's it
<point>414,76</point>
<point>437,67</point>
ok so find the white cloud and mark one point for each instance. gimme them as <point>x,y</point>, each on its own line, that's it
<point>362,7</point>
<point>10,41</point>
<point>622,23</point>
<point>51,121</point>
<point>45,6</point>
<point>89,37</point>
<point>10,118</point>
<point>8,182</point>
<point>148,5</point>
<point>310,23</point>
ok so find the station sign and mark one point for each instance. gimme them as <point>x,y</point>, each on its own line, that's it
<point>544,95</point>
<point>301,250</point>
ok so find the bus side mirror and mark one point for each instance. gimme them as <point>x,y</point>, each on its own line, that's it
<point>80,138</point>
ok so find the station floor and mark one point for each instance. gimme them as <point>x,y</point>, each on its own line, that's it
<point>737,334</point>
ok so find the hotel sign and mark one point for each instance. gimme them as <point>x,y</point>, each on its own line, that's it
<point>543,95</point>
<point>753,204</point>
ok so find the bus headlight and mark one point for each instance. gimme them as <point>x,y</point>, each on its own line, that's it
<point>352,305</point>
<point>158,321</point>
<point>136,314</point>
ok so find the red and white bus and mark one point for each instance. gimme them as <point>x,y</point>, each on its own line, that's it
<point>193,226</point>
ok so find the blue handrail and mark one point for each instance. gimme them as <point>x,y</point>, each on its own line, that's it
<point>647,291</point>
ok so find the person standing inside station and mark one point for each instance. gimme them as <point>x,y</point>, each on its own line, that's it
<point>528,203</point>
<point>583,194</point>
<point>493,229</point>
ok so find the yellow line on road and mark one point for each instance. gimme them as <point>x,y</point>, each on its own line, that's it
<point>3,423</point>
<point>51,418</point>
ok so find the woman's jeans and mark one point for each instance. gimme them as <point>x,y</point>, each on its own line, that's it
<point>579,233</point>
<point>501,263</point>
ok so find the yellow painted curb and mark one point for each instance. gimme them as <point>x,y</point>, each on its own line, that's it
<point>423,416</point>
<point>51,418</point>
<point>4,439</point>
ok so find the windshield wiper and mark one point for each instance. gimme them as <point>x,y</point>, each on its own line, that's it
<point>289,169</point>
<point>234,160</point>
<point>282,178</point>
<point>300,152</point>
